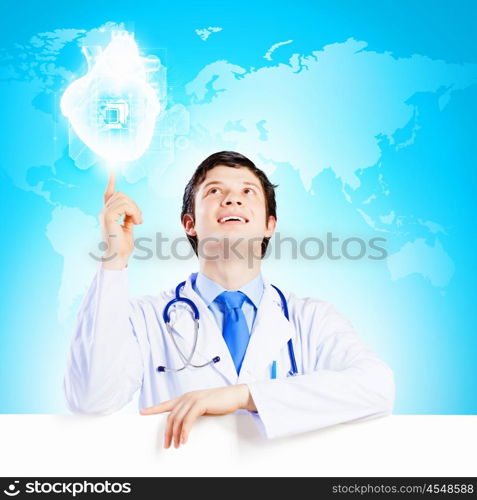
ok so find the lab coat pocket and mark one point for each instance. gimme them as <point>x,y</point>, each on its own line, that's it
<point>279,369</point>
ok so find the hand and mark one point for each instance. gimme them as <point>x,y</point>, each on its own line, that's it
<point>185,409</point>
<point>119,238</point>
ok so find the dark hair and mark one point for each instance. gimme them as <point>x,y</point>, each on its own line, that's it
<point>229,159</point>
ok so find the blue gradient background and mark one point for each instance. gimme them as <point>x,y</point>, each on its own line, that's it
<point>421,321</point>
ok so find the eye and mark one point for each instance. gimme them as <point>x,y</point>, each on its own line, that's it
<point>213,190</point>
<point>249,190</point>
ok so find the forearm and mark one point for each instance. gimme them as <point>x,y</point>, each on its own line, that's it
<point>104,366</point>
<point>323,398</point>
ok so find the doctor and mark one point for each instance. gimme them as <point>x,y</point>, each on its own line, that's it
<point>294,375</point>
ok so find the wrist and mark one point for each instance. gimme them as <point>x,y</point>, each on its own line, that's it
<point>246,400</point>
<point>114,263</point>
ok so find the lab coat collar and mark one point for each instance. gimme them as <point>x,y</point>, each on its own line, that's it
<point>270,332</point>
<point>209,289</point>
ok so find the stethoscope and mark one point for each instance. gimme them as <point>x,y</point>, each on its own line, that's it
<point>187,360</point>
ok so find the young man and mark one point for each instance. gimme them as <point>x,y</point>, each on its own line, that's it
<point>297,374</point>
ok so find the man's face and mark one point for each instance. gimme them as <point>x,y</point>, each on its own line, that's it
<point>230,204</point>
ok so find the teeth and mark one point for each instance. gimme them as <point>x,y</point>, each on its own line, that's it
<point>231,217</point>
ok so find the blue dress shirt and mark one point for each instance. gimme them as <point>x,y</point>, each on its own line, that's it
<point>208,290</point>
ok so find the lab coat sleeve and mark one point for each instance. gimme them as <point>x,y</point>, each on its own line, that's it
<point>348,381</point>
<point>104,366</point>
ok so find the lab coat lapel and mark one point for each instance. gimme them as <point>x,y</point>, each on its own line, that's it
<point>210,340</point>
<point>270,333</point>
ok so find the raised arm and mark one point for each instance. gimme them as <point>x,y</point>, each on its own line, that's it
<point>104,366</point>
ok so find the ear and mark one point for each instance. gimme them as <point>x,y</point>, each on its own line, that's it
<point>271,225</point>
<point>188,223</point>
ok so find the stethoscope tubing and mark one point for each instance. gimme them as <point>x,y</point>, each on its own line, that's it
<point>188,360</point>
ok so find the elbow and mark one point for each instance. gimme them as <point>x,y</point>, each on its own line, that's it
<point>90,397</point>
<point>86,403</point>
<point>378,394</point>
<point>87,408</point>
<point>385,392</point>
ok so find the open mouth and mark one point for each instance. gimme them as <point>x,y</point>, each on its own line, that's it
<point>232,219</point>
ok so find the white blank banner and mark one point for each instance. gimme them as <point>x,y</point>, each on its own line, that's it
<point>131,445</point>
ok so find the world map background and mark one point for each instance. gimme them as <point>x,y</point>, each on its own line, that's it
<point>365,118</point>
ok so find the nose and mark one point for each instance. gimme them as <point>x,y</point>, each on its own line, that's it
<point>232,198</point>
<point>231,202</point>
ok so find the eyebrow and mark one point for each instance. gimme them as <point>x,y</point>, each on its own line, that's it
<point>245,182</point>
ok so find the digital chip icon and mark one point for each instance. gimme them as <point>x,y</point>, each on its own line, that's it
<point>113,114</point>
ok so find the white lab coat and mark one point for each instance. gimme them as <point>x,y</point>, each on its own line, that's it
<point>119,342</point>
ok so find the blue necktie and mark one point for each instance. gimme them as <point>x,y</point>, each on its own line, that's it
<point>235,329</point>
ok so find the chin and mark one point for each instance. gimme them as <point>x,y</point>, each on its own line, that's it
<point>227,244</point>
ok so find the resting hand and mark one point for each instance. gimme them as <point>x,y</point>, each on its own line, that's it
<point>185,409</point>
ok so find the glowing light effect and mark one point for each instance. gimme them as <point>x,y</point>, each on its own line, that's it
<point>113,108</point>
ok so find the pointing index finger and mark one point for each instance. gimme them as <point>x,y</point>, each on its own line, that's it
<point>110,187</point>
